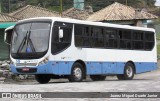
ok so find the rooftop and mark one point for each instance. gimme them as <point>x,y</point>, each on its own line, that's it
<point>30,11</point>
<point>7,18</point>
<point>76,14</point>
<point>117,11</point>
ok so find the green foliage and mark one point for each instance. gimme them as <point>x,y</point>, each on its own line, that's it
<point>158,49</point>
<point>158,35</point>
<point>96,4</point>
<point>99,4</point>
<point>54,8</point>
<point>32,2</point>
<point>51,4</point>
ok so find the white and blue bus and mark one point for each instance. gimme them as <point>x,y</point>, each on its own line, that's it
<point>52,48</point>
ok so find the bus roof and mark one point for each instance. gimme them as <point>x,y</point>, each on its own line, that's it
<point>90,23</point>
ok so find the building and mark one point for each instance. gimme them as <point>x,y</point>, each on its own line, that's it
<point>122,14</point>
<point>30,11</point>
<point>75,13</point>
<point>5,21</point>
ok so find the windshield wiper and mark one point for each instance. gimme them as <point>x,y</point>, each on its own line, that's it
<point>31,45</point>
<point>29,41</point>
<point>26,40</point>
<point>22,43</point>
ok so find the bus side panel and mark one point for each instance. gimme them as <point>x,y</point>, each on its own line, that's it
<point>45,68</point>
<point>105,68</point>
<point>62,67</point>
<point>145,66</point>
<point>109,68</point>
<point>94,68</point>
<point>120,67</point>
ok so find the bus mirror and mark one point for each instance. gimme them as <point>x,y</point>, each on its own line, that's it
<point>60,33</point>
<point>6,39</point>
<point>8,34</point>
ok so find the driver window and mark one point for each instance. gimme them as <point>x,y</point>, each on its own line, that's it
<point>59,41</point>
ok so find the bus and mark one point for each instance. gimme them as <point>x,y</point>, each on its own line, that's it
<point>53,48</point>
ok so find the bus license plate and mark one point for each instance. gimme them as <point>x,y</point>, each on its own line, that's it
<point>25,69</point>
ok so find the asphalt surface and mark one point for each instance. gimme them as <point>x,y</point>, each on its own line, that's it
<point>145,82</point>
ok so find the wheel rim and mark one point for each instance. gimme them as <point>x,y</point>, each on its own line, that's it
<point>77,73</point>
<point>129,71</point>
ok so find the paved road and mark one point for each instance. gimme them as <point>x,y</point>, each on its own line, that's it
<point>142,82</point>
<point>146,82</point>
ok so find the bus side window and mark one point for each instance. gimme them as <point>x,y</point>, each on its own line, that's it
<point>138,40</point>
<point>78,30</point>
<point>82,36</point>
<point>111,38</point>
<point>97,37</point>
<point>59,43</point>
<point>86,36</point>
<point>125,39</point>
<point>65,38</point>
<point>149,40</point>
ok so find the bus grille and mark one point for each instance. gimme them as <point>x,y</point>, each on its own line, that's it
<point>28,64</point>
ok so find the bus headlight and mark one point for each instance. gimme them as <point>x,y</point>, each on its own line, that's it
<point>44,61</point>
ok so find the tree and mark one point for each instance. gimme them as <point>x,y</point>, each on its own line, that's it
<point>99,4</point>
<point>96,4</point>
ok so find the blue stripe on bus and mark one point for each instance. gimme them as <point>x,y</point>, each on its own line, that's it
<point>64,68</point>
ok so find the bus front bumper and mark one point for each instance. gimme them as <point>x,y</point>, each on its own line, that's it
<point>52,67</point>
<point>41,69</point>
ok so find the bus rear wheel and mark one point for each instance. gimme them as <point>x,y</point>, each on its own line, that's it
<point>98,77</point>
<point>42,78</point>
<point>128,72</point>
<point>77,73</point>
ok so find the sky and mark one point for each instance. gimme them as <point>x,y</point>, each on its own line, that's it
<point>157,3</point>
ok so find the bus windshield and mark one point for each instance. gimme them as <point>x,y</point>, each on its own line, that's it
<point>30,40</point>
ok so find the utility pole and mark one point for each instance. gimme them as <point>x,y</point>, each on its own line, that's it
<point>126,2</point>
<point>61,7</point>
<point>0,6</point>
<point>9,5</point>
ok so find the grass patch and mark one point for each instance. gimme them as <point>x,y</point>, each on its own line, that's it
<point>158,35</point>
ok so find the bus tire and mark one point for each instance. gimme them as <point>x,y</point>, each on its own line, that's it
<point>77,73</point>
<point>128,72</point>
<point>42,78</point>
<point>98,77</point>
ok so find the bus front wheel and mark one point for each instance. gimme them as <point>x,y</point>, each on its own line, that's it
<point>128,72</point>
<point>77,73</point>
<point>42,78</point>
<point>98,77</point>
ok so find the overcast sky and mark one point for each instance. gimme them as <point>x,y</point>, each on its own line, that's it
<point>157,3</point>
